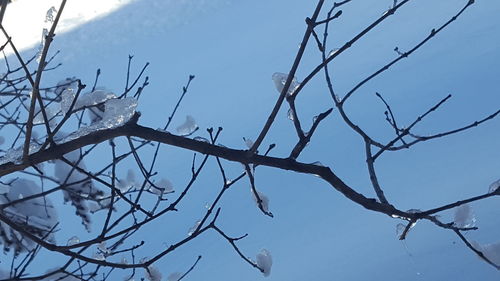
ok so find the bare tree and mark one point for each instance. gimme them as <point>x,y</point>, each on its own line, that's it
<point>115,204</point>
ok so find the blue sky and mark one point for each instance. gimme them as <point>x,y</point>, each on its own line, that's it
<point>233,48</point>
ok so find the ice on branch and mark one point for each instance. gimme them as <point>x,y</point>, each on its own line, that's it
<point>263,198</point>
<point>164,186</point>
<point>77,187</point>
<point>15,155</point>
<point>490,251</point>
<point>51,112</point>
<point>194,227</point>
<point>49,17</point>
<point>494,186</point>
<point>153,274</point>
<point>201,139</point>
<point>36,216</point>
<point>99,256</point>
<point>117,112</point>
<point>128,183</point>
<point>188,127</point>
<point>67,97</point>
<point>45,33</point>
<point>333,51</point>
<point>174,276</point>
<point>400,228</point>
<point>93,101</point>
<point>68,83</point>
<point>103,248</point>
<point>94,98</point>
<point>264,261</point>
<point>290,114</point>
<point>248,142</point>
<point>87,100</point>
<point>280,80</point>
<point>464,217</point>
<point>73,240</point>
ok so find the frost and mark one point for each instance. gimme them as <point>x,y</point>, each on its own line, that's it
<point>124,260</point>
<point>280,80</point>
<point>248,142</point>
<point>264,261</point>
<point>464,217</point>
<point>494,186</point>
<point>37,215</point>
<point>491,251</point>
<point>174,276</point>
<point>264,200</point>
<point>194,227</point>
<point>153,274</point>
<point>49,17</point>
<point>188,127</point>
